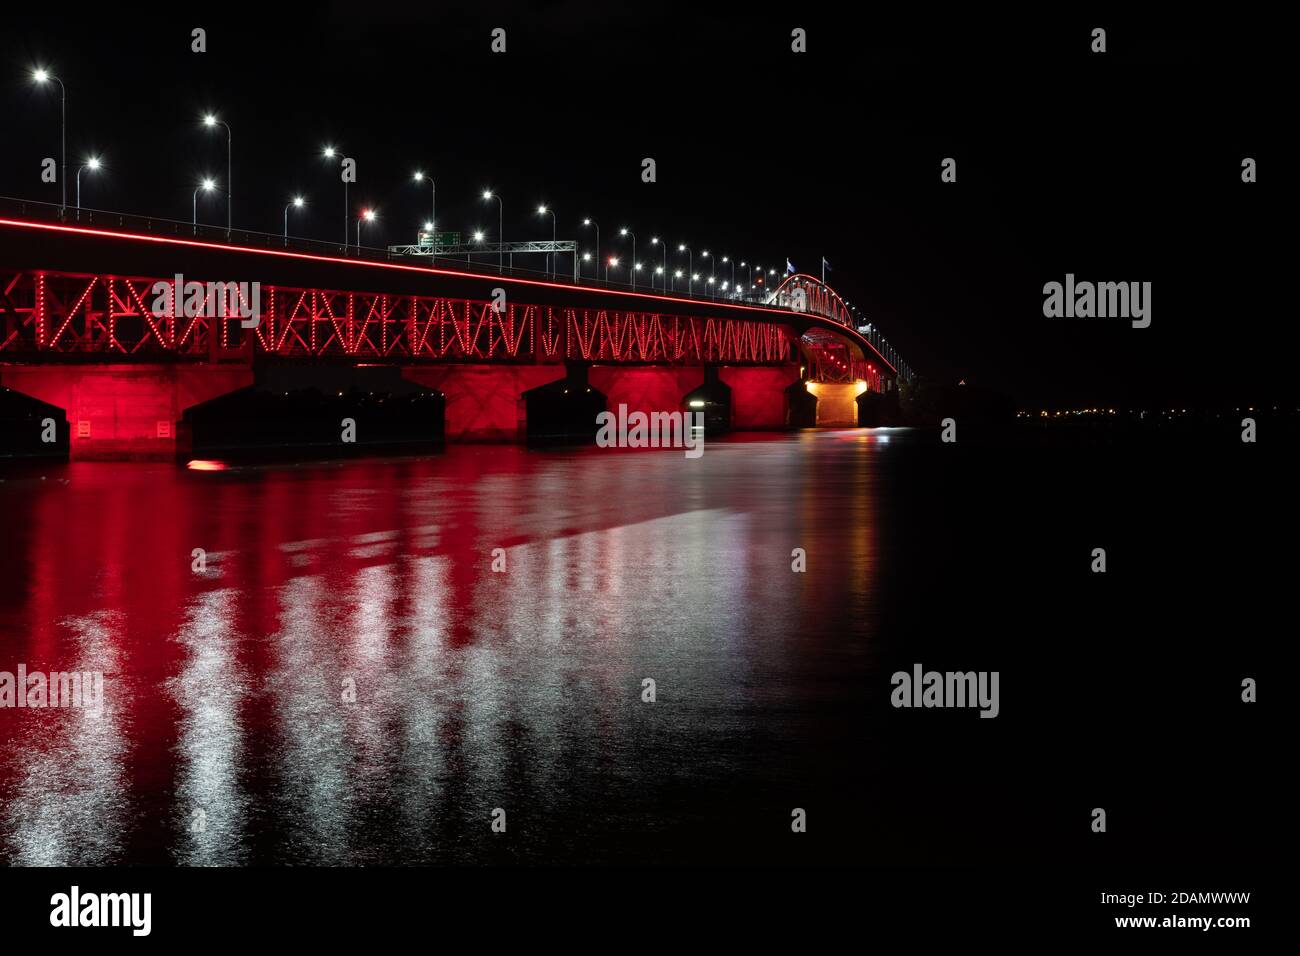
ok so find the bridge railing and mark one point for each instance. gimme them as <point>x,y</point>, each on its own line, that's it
<point>152,225</point>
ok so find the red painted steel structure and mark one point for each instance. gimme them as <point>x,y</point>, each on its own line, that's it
<point>124,362</point>
<point>805,293</point>
<point>62,314</point>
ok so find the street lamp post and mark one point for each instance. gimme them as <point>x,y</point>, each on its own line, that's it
<point>654,241</point>
<point>207,186</point>
<point>727,260</point>
<point>330,153</point>
<point>501,222</point>
<point>92,164</point>
<point>550,261</point>
<point>596,226</point>
<point>690,266</point>
<point>632,268</point>
<point>297,202</point>
<point>611,261</point>
<point>367,215</point>
<point>677,274</point>
<point>211,120</point>
<point>41,76</point>
<point>433,201</point>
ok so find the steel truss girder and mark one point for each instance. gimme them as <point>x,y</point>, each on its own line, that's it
<point>45,316</point>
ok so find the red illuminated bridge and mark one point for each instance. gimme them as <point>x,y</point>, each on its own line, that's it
<point>93,323</point>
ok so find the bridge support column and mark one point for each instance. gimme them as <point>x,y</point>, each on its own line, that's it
<point>837,402</point>
<point>644,389</point>
<point>484,402</point>
<point>758,395</point>
<point>124,412</point>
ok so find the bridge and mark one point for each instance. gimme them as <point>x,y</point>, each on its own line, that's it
<point>127,329</point>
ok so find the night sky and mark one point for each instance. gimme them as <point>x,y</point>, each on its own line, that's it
<point>1116,167</point>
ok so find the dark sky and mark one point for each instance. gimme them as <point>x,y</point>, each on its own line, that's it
<point>1116,167</point>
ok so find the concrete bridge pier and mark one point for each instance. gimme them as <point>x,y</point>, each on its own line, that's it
<point>124,412</point>
<point>484,403</point>
<point>645,388</point>
<point>758,395</point>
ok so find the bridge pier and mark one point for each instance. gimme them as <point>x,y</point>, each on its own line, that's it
<point>758,395</point>
<point>644,388</point>
<point>124,412</point>
<point>837,402</point>
<point>485,403</point>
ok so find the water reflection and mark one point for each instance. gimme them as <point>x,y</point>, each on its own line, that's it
<point>232,736</point>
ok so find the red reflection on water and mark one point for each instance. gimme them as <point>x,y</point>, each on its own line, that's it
<point>224,671</point>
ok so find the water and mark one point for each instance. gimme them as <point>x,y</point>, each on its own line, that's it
<point>225,739</point>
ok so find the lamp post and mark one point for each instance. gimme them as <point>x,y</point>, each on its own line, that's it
<point>550,261</point>
<point>677,274</point>
<point>92,164</point>
<point>501,220</point>
<point>596,226</point>
<point>727,260</point>
<point>690,266</point>
<point>40,76</point>
<point>433,200</point>
<point>297,202</point>
<point>330,153</point>
<point>367,215</point>
<point>654,241</point>
<point>631,269</point>
<point>210,121</point>
<point>206,186</point>
<point>611,261</point>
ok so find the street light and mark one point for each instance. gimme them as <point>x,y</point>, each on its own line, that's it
<point>550,263</point>
<point>712,267</point>
<point>298,202</point>
<point>683,247</point>
<point>206,186</point>
<point>654,241</point>
<point>501,224</point>
<point>611,261</point>
<point>92,164</point>
<point>727,260</point>
<point>632,271</point>
<point>596,226</point>
<point>433,200</point>
<point>41,76</point>
<point>330,152</point>
<point>210,121</point>
<point>676,275</point>
<point>367,215</point>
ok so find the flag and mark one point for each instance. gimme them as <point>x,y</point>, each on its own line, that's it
<point>789,269</point>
